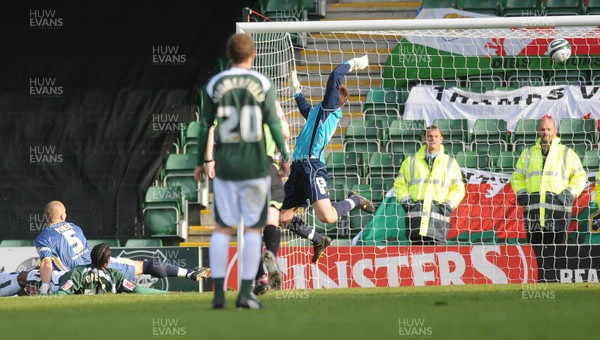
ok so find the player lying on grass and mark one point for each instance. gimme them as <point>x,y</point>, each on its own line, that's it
<point>96,278</point>
<point>63,246</point>
<point>21,283</point>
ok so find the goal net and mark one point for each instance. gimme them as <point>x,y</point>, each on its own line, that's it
<point>485,83</point>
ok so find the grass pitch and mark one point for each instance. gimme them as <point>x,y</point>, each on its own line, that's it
<point>536,311</point>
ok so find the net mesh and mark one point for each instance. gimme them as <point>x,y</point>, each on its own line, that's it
<point>485,89</point>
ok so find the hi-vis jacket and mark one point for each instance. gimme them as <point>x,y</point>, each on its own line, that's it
<point>545,185</point>
<point>442,184</point>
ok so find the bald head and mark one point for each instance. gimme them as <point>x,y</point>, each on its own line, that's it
<point>55,212</point>
<point>546,130</point>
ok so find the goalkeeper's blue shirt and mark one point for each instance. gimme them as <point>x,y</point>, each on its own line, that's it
<point>65,244</point>
<point>321,120</point>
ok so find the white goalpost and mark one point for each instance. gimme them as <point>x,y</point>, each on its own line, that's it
<point>484,82</point>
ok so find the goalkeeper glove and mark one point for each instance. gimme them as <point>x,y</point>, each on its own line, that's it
<point>294,82</point>
<point>359,63</point>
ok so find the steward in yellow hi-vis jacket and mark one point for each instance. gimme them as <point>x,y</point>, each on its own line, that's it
<point>429,187</point>
<point>547,179</point>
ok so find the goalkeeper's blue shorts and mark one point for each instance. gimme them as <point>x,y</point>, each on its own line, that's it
<point>307,182</point>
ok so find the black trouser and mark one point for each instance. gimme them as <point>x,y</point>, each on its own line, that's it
<point>547,237</point>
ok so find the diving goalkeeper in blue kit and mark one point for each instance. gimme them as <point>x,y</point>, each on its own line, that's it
<point>308,177</point>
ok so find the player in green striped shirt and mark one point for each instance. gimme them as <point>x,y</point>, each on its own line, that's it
<point>96,278</point>
<point>241,101</point>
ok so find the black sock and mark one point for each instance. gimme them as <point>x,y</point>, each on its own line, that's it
<point>343,207</point>
<point>300,228</point>
<point>261,269</point>
<point>272,238</point>
<point>160,269</point>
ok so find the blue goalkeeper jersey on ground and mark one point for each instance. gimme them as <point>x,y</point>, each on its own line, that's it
<point>321,120</point>
<point>65,244</point>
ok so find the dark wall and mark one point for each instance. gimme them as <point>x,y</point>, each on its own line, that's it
<point>90,93</point>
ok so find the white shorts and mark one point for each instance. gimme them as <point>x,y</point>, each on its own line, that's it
<point>248,199</point>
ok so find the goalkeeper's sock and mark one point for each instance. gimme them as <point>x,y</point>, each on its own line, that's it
<point>346,205</point>
<point>300,228</point>
<point>162,269</point>
<point>272,238</point>
<point>261,270</point>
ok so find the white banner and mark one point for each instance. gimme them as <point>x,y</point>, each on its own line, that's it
<point>432,102</point>
<point>18,258</point>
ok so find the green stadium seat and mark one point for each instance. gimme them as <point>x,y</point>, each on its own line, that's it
<point>490,131</point>
<point>380,185</point>
<point>483,148</point>
<point>453,148</point>
<point>563,7</point>
<point>190,144</point>
<point>363,136</point>
<point>490,7</point>
<point>454,130</point>
<point>591,161</point>
<point>16,243</point>
<point>579,148</point>
<point>506,161</point>
<point>567,77</point>
<point>446,83</point>
<point>470,159</point>
<point>578,130</point>
<point>439,4</point>
<point>283,10</point>
<point>488,83</point>
<point>405,136</point>
<point>523,80</point>
<point>110,242</point>
<point>339,186</point>
<point>593,7</point>
<point>383,104</point>
<point>163,209</point>
<point>366,191</point>
<point>358,220</point>
<point>315,9</point>
<point>141,243</point>
<point>179,171</point>
<point>348,163</point>
<point>525,132</point>
<point>385,163</point>
<point>522,8</point>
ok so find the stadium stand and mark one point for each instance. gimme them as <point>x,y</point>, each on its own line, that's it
<point>141,243</point>
<point>179,171</point>
<point>163,210</point>
<point>110,242</point>
<point>16,243</point>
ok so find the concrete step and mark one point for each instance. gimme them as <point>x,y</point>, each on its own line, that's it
<point>207,217</point>
<point>332,56</point>
<point>368,10</point>
<point>201,230</point>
